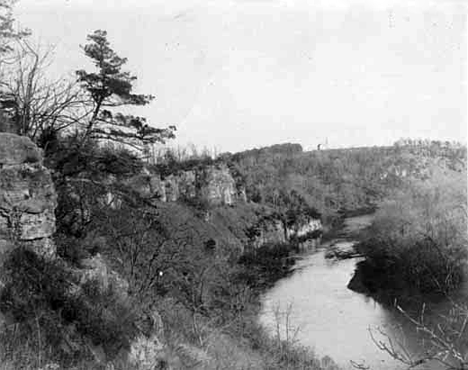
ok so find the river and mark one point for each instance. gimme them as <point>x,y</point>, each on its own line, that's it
<point>328,317</point>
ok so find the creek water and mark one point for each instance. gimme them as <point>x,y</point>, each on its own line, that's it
<point>314,307</point>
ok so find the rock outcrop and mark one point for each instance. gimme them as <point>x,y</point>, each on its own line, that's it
<point>306,234</point>
<point>27,197</point>
<point>272,230</point>
<point>96,269</point>
<point>218,186</point>
<point>266,231</point>
<point>309,228</point>
<point>213,184</point>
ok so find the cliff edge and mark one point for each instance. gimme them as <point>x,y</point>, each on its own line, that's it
<point>27,197</point>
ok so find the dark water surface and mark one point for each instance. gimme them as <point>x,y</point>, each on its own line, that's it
<point>329,317</point>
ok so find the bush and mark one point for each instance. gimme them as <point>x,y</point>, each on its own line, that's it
<point>55,316</point>
<point>265,265</point>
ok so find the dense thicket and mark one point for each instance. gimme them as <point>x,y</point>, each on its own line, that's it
<point>418,239</point>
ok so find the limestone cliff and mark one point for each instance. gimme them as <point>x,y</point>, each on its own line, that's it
<point>27,204</point>
<point>27,197</point>
<point>266,230</point>
<point>307,228</point>
<point>213,184</point>
<point>271,229</point>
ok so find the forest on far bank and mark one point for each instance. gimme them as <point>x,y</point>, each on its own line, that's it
<point>161,285</point>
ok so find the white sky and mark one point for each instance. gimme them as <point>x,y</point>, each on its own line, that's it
<point>238,74</point>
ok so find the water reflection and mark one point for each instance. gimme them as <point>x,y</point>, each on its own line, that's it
<point>334,320</point>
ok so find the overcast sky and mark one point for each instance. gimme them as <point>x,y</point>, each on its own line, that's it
<point>237,74</point>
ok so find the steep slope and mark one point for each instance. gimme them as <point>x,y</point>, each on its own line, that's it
<point>139,283</point>
<point>341,180</point>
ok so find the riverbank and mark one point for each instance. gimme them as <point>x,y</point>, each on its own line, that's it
<point>318,307</point>
<point>417,245</point>
<point>338,228</point>
<point>382,281</point>
<point>309,298</point>
<point>260,271</point>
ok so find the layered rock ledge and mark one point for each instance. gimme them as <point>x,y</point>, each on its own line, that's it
<point>27,197</point>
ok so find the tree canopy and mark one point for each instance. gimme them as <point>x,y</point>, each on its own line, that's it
<point>7,31</point>
<point>108,88</point>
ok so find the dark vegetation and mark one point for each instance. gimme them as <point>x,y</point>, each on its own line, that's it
<point>176,264</point>
<point>417,242</point>
<point>195,274</point>
<point>416,254</point>
<point>55,321</point>
<point>262,267</point>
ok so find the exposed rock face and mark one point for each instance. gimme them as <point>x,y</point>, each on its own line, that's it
<point>268,231</point>
<point>27,204</point>
<point>16,149</point>
<point>272,230</point>
<point>27,197</point>
<point>309,227</point>
<point>307,234</point>
<point>174,187</point>
<point>213,184</point>
<point>219,186</point>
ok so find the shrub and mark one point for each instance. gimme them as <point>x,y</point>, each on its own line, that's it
<point>55,316</point>
<point>265,265</point>
<point>73,249</point>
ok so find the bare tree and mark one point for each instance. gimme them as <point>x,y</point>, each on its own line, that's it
<point>37,106</point>
<point>444,342</point>
<point>7,36</point>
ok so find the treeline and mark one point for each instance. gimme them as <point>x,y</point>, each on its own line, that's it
<point>332,182</point>
<point>418,240</point>
<point>339,180</point>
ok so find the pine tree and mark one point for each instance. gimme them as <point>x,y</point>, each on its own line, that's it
<point>7,31</point>
<point>108,89</point>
